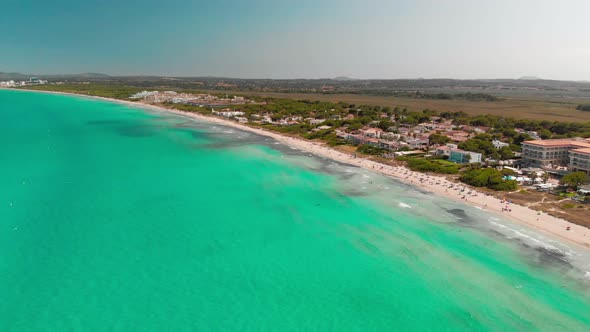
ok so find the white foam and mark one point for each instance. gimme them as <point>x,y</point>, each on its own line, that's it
<point>404,205</point>
<point>520,234</point>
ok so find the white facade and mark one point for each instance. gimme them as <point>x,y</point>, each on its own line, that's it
<point>580,160</point>
<point>498,144</point>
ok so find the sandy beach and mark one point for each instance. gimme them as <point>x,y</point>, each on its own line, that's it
<point>438,185</point>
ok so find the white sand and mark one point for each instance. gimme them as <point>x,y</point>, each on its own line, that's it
<point>436,184</point>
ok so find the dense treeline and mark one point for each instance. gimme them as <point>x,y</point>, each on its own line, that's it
<point>370,150</point>
<point>488,177</point>
<point>583,107</point>
<point>425,95</point>
<point>505,125</point>
<point>430,165</point>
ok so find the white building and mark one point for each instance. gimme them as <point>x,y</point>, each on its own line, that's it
<point>580,160</point>
<point>464,157</point>
<point>316,121</point>
<point>143,94</point>
<point>498,144</point>
<point>228,114</point>
<point>550,152</point>
<point>7,84</point>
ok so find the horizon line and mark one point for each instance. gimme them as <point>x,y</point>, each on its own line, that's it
<point>523,78</point>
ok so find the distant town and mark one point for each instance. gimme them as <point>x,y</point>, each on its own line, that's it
<point>201,100</point>
<point>14,84</point>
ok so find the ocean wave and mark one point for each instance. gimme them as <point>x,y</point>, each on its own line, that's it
<point>404,205</point>
<point>522,235</point>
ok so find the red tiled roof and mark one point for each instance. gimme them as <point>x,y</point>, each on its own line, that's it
<point>559,143</point>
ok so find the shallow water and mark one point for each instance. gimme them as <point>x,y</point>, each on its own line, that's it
<point>117,219</point>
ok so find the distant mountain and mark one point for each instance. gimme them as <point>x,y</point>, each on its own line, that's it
<point>344,79</point>
<point>13,76</point>
<point>20,76</point>
<point>530,78</point>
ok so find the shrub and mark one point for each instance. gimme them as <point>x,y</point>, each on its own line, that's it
<point>436,166</point>
<point>489,178</point>
<point>369,149</point>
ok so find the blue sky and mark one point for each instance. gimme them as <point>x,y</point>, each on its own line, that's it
<point>299,39</point>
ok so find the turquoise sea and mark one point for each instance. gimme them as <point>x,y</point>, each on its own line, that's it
<point>121,219</point>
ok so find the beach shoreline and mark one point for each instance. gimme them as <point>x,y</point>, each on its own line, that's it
<point>435,184</point>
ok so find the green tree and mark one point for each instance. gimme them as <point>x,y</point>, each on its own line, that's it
<point>545,133</point>
<point>573,180</point>
<point>369,149</point>
<point>479,145</point>
<point>355,126</point>
<point>385,124</point>
<point>489,178</point>
<point>521,138</point>
<point>505,153</point>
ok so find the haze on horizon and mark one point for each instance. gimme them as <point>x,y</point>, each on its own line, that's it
<point>311,39</point>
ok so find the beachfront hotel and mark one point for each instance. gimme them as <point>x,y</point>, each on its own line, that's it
<point>572,152</point>
<point>580,160</point>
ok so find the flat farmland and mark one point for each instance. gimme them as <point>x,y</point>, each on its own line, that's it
<point>553,109</point>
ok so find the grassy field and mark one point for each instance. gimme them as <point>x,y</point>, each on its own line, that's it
<point>519,108</point>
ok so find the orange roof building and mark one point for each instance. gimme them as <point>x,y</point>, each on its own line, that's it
<point>551,152</point>
<point>580,160</point>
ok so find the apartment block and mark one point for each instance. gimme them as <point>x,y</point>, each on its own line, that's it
<point>580,160</point>
<point>554,152</point>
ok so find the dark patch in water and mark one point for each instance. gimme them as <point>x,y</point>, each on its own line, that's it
<point>354,192</point>
<point>420,190</point>
<point>343,176</point>
<point>543,256</point>
<point>553,257</point>
<point>458,212</point>
<point>462,217</point>
<point>200,134</point>
<point>499,234</point>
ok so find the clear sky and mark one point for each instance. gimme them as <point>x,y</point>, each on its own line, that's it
<point>299,38</point>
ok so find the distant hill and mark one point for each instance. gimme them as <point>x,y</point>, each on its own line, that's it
<point>530,78</point>
<point>20,76</point>
<point>91,75</point>
<point>344,78</point>
<point>13,76</point>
